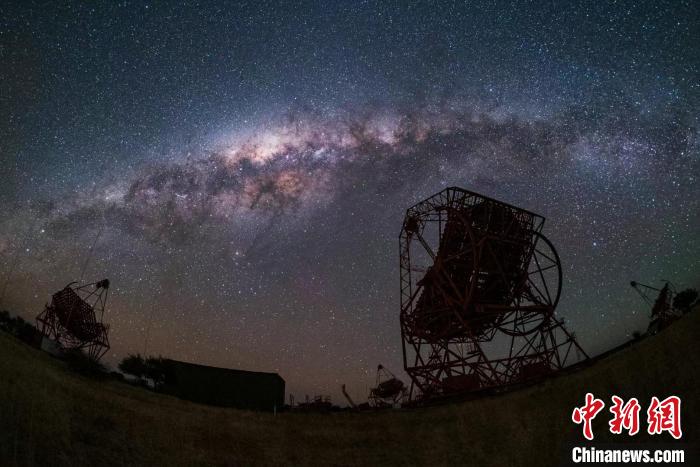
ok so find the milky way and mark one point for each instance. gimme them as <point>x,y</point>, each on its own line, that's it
<point>247,214</point>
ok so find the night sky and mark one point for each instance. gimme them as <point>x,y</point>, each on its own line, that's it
<point>243,169</point>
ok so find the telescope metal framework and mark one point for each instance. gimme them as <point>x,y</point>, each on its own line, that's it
<point>71,318</point>
<point>479,285</point>
<point>662,311</point>
<point>388,390</point>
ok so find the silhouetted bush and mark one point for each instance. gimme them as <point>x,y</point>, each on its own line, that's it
<point>19,328</point>
<point>684,301</point>
<point>4,319</point>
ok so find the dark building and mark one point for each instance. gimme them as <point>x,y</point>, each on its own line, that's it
<point>224,387</point>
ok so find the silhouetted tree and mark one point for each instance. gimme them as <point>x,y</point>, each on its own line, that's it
<point>683,301</point>
<point>156,371</point>
<point>133,365</point>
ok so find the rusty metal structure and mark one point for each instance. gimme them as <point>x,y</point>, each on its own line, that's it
<point>388,390</point>
<point>319,403</point>
<point>71,319</point>
<point>662,311</point>
<point>479,286</point>
<point>347,397</point>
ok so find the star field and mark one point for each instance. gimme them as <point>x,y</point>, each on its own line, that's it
<point>243,169</point>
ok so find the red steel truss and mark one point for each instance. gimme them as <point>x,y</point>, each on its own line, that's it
<point>71,318</point>
<point>479,285</point>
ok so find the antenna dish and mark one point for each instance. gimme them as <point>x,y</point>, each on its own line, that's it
<point>71,319</point>
<point>478,273</point>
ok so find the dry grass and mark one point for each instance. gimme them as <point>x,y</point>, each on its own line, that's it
<point>50,416</point>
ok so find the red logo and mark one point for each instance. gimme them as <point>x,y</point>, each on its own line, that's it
<point>624,416</point>
<point>662,416</point>
<point>587,413</point>
<point>665,416</point>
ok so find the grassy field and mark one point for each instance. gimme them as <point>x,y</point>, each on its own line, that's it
<point>51,416</point>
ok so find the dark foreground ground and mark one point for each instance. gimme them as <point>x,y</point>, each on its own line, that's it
<point>51,416</point>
